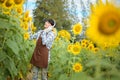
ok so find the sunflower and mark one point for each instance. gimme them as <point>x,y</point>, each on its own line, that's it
<point>84,41</point>
<point>49,74</point>
<point>77,29</point>
<point>83,45</point>
<point>33,27</point>
<point>105,25</point>
<point>19,2</point>
<point>77,43</point>
<point>19,10</point>
<point>76,49</point>
<point>77,67</point>
<point>26,16</point>
<point>95,50</point>
<point>69,48</point>
<point>57,38</point>
<point>8,4</point>
<point>25,26</point>
<point>30,19</point>
<point>90,46</point>
<point>2,1</point>
<point>65,34</point>
<point>26,36</point>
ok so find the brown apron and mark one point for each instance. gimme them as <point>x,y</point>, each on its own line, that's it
<point>40,55</point>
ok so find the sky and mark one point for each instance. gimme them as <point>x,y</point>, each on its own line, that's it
<point>30,5</point>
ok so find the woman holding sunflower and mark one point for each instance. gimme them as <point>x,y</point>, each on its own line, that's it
<point>41,54</point>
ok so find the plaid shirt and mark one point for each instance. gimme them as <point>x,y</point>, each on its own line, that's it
<point>47,38</point>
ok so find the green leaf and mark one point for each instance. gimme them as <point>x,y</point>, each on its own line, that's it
<point>13,46</point>
<point>5,24</point>
<point>2,56</point>
<point>10,65</point>
<point>4,16</point>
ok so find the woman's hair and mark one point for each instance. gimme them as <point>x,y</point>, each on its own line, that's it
<point>51,21</point>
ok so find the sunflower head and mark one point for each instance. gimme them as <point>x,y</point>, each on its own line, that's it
<point>33,27</point>
<point>8,4</point>
<point>90,46</point>
<point>19,10</point>
<point>19,2</point>
<point>26,16</point>
<point>95,50</point>
<point>84,41</point>
<point>77,29</point>
<point>77,67</point>
<point>65,34</point>
<point>76,49</point>
<point>2,1</point>
<point>69,48</point>
<point>25,26</point>
<point>104,25</point>
<point>26,36</point>
<point>83,45</point>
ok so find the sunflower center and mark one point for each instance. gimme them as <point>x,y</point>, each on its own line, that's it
<point>18,1</point>
<point>90,47</point>
<point>77,67</point>
<point>109,23</point>
<point>77,29</point>
<point>75,49</point>
<point>9,3</point>
<point>2,1</point>
<point>19,10</point>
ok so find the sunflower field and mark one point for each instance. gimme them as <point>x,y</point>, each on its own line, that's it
<point>96,57</point>
<point>15,49</point>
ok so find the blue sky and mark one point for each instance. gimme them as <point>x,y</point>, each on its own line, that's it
<point>30,5</point>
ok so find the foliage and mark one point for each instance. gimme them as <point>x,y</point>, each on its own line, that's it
<point>55,9</point>
<point>101,65</point>
<point>15,51</point>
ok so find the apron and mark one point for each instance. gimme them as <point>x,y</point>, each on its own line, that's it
<point>40,55</point>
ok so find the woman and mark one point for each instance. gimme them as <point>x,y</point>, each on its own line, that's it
<point>41,54</point>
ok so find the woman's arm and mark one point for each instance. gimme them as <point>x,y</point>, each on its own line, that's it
<point>36,35</point>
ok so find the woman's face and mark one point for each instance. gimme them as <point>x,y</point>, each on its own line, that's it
<point>47,24</point>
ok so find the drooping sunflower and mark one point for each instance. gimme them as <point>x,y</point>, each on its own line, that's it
<point>26,36</point>
<point>65,34</point>
<point>25,26</point>
<point>19,2</point>
<point>105,25</point>
<point>8,4</point>
<point>77,67</point>
<point>76,49</point>
<point>26,16</point>
<point>77,29</point>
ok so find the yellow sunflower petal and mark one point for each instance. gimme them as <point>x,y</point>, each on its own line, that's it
<point>76,49</point>
<point>26,36</point>
<point>105,25</point>
<point>77,29</point>
<point>77,67</point>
